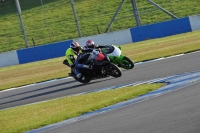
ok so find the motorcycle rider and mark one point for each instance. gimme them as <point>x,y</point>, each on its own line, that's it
<point>75,59</point>
<point>90,45</point>
<point>82,59</point>
<point>71,54</point>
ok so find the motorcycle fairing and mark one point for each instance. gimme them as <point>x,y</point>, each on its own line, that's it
<point>100,63</point>
<point>100,57</point>
<point>117,52</point>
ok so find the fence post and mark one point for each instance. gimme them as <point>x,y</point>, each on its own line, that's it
<point>21,22</point>
<point>136,13</point>
<point>120,6</point>
<point>162,9</point>
<point>76,18</point>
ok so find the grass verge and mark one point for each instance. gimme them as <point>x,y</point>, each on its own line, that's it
<point>24,118</point>
<point>55,22</point>
<point>20,75</point>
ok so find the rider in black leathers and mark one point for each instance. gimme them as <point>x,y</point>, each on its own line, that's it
<point>82,60</point>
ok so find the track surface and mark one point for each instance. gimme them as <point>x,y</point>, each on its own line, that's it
<point>141,72</point>
<point>175,112</point>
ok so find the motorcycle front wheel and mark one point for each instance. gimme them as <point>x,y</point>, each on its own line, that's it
<point>127,63</point>
<point>114,70</point>
<point>83,79</point>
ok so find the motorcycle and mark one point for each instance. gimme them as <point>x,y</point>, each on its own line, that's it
<point>100,67</point>
<point>116,57</point>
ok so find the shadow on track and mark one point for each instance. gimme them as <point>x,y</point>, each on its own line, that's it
<point>50,92</point>
<point>47,87</point>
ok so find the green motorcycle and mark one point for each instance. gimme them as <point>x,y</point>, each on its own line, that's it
<point>115,55</point>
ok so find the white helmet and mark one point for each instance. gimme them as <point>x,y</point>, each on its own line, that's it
<point>75,47</point>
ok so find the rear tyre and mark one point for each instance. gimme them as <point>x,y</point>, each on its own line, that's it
<point>114,70</point>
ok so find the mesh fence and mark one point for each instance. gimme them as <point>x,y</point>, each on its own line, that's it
<point>47,21</point>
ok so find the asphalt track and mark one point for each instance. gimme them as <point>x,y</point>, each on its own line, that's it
<point>174,112</point>
<point>141,72</point>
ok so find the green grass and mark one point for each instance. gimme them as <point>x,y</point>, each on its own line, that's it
<point>24,118</point>
<point>55,21</point>
<point>34,72</point>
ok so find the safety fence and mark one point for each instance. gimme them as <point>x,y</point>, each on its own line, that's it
<point>48,21</point>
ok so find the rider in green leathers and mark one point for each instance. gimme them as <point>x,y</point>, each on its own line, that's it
<point>71,54</point>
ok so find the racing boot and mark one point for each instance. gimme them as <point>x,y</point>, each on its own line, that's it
<point>72,73</point>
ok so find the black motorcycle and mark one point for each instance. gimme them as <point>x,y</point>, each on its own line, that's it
<point>100,67</point>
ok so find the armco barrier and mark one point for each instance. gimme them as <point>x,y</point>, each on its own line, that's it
<point>159,30</point>
<point>135,34</point>
<point>43,52</point>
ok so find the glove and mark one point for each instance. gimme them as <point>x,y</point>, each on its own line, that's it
<point>95,51</point>
<point>96,45</point>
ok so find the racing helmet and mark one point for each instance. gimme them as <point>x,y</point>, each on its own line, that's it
<point>90,44</point>
<point>75,47</point>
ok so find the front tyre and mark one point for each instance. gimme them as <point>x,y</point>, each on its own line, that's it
<point>127,63</point>
<point>114,70</point>
<point>83,79</point>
